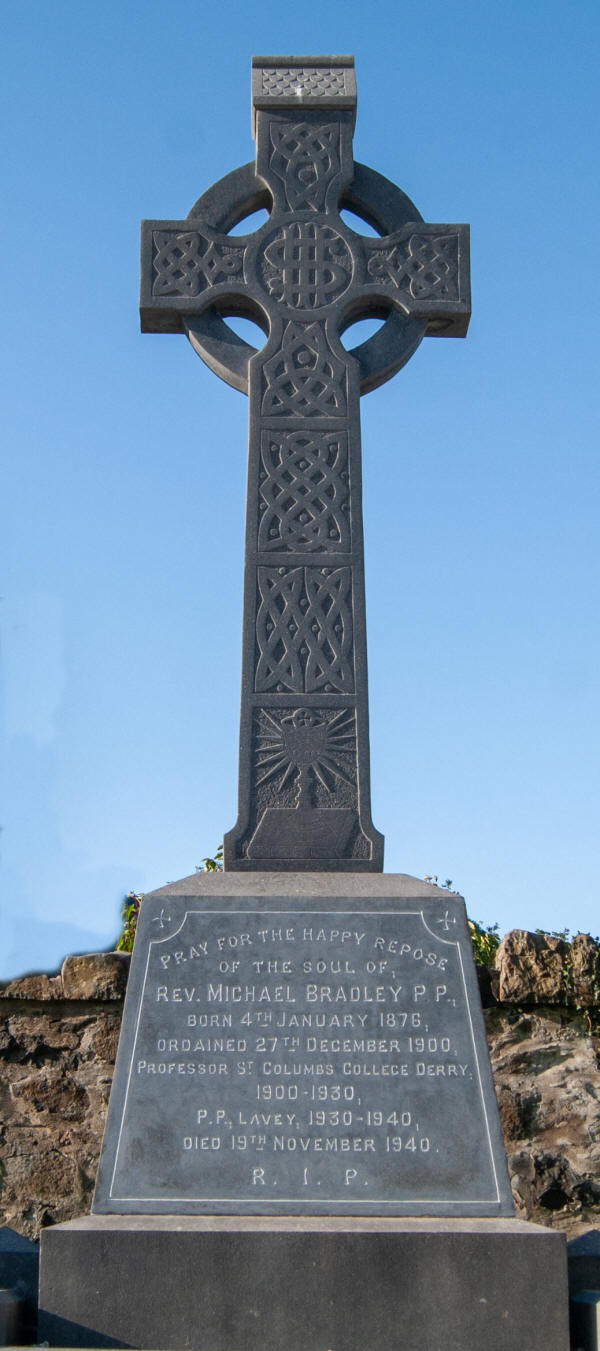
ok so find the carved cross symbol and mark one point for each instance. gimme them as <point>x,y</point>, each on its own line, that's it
<point>305,275</point>
<point>161,919</point>
<point>446,921</point>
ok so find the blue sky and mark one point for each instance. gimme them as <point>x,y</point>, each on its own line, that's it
<point>124,472</point>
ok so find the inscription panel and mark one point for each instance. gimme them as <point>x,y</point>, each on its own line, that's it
<point>301,1061</point>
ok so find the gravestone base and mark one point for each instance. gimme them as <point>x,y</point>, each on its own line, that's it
<point>260,1283</point>
<point>327,1189</point>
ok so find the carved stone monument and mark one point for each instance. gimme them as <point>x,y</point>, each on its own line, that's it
<point>302,1094</point>
<point>304,791</point>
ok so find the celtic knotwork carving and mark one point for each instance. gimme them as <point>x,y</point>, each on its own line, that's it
<point>304,379</point>
<point>304,630</point>
<point>315,80</point>
<point>423,266</point>
<point>306,159</point>
<point>306,265</point>
<point>304,490</point>
<point>186,263</point>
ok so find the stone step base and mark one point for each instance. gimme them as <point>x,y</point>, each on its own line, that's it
<point>231,1283</point>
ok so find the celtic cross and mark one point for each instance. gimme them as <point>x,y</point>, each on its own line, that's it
<point>304,276</point>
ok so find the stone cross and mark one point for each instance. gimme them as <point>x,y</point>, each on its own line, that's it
<point>305,275</point>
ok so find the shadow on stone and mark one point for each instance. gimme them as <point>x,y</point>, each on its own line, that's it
<point>57,1331</point>
<point>19,1264</point>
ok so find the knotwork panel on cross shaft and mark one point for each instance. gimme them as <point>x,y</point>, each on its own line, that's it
<point>187,263</point>
<point>305,378</point>
<point>304,492</point>
<point>304,630</point>
<point>305,158</point>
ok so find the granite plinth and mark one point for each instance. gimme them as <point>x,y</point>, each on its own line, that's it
<point>260,1283</point>
<point>315,1048</point>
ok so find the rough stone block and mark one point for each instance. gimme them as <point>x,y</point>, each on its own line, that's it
<point>537,968</point>
<point>531,968</point>
<point>585,966</point>
<point>98,975</point>
<point>37,986</point>
<point>56,1067</point>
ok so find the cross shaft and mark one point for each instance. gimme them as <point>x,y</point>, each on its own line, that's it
<point>304,789</point>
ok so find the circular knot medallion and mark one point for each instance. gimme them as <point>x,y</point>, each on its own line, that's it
<point>305,265</point>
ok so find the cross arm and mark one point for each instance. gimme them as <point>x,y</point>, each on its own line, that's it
<point>423,270</point>
<point>185,267</point>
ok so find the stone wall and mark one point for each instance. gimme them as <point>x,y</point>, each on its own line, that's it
<point>58,1040</point>
<point>543,1028</point>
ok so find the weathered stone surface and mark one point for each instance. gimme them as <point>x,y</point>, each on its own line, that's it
<point>546,1069</point>
<point>32,987</point>
<point>98,975</point>
<point>585,966</point>
<point>55,1075</point>
<point>539,968</point>
<point>531,968</point>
